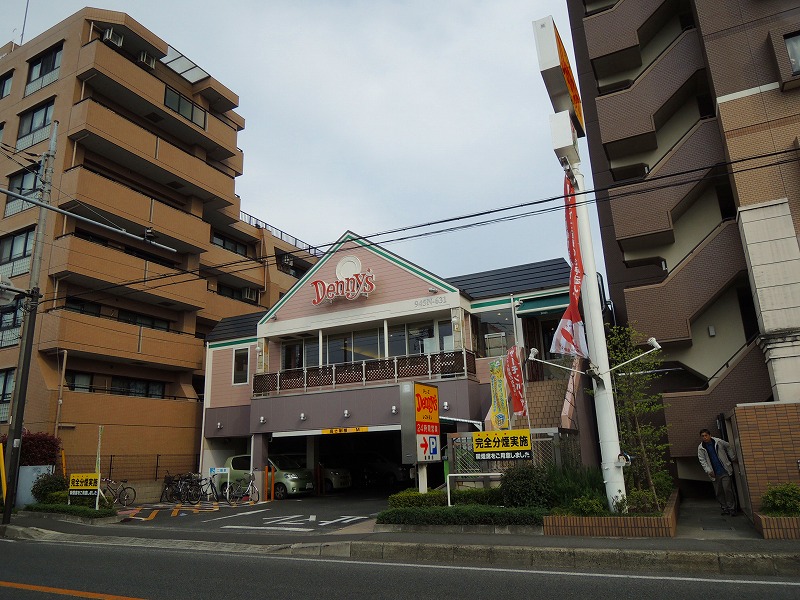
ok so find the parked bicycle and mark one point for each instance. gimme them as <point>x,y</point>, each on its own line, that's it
<point>206,488</point>
<point>243,488</point>
<point>180,488</point>
<point>117,491</point>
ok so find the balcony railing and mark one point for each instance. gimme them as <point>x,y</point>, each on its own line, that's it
<point>280,234</point>
<point>431,366</point>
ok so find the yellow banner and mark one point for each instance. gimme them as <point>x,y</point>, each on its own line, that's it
<point>499,410</point>
<point>501,445</point>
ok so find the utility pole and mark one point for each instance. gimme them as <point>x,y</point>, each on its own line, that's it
<point>565,128</point>
<point>14,444</point>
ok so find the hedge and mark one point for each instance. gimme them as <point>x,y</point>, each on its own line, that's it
<point>472,514</point>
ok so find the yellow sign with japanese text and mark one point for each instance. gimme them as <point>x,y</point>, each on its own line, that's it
<point>84,484</point>
<point>509,444</point>
<point>346,430</point>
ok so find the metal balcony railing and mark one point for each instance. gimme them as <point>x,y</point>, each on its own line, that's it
<point>442,365</point>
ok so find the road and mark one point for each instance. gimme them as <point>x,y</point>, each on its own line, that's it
<point>32,570</point>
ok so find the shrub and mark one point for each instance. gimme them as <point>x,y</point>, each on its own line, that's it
<point>638,502</point>
<point>588,506</point>
<point>526,484</point>
<point>569,483</point>
<point>72,509</point>
<point>471,514</point>
<point>664,485</point>
<point>61,497</point>
<point>47,483</point>
<point>37,448</point>
<point>490,496</point>
<point>782,500</point>
<point>412,498</point>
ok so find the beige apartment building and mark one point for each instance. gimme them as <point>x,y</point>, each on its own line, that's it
<point>147,142</point>
<point>692,110</point>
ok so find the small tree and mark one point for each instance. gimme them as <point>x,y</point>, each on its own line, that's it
<point>638,409</point>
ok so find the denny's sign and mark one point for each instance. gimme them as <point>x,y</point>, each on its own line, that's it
<point>351,282</point>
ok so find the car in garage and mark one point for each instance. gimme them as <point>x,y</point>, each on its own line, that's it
<point>335,476</point>
<point>290,477</point>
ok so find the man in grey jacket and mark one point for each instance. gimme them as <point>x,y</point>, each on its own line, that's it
<point>715,457</point>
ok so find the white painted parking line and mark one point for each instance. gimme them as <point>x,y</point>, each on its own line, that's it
<point>239,514</point>
<point>303,529</point>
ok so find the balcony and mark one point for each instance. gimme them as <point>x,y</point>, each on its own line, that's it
<point>217,307</point>
<point>117,77</point>
<point>618,29</point>
<point>112,136</point>
<point>96,338</point>
<point>444,365</point>
<point>645,209</point>
<point>632,114</point>
<point>86,193</point>
<point>234,269</point>
<point>92,265</point>
<point>711,267</point>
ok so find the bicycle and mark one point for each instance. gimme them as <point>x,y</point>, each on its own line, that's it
<point>118,492</point>
<point>237,491</point>
<point>206,488</point>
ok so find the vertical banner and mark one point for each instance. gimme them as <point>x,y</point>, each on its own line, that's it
<point>570,338</point>
<point>498,413</point>
<point>513,372</point>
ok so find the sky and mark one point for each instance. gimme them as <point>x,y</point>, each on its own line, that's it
<point>377,115</point>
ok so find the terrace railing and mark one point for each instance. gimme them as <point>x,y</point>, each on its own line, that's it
<point>442,365</point>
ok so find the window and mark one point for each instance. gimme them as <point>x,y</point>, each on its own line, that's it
<point>128,316</point>
<point>397,340</point>
<point>496,329</point>
<point>340,349</point>
<point>143,388</point>
<point>34,125</point>
<point>793,47</point>
<point>43,70</point>
<point>85,307</point>
<point>15,253</point>
<point>367,345</point>
<point>10,322</point>
<point>241,362</point>
<point>5,85</point>
<point>6,390</point>
<point>78,382</point>
<point>24,184</point>
<point>229,244</point>
<point>185,107</point>
<point>420,339</point>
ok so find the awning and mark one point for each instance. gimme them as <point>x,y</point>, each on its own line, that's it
<point>544,305</point>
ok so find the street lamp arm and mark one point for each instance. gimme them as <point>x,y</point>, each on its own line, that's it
<point>532,357</point>
<point>655,346</point>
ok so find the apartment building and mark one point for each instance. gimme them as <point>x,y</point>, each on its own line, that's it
<point>691,110</point>
<point>147,143</point>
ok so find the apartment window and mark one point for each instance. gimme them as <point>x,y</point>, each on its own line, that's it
<point>24,184</point>
<point>15,253</point>
<point>6,390</point>
<point>85,307</point>
<point>78,382</point>
<point>34,125</point>
<point>10,322</point>
<point>128,316</point>
<point>185,107</point>
<point>241,361</point>
<point>793,47</point>
<point>229,244</point>
<point>43,70</point>
<point>5,85</point>
<point>143,388</point>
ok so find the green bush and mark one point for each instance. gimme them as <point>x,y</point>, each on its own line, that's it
<point>637,502</point>
<point>47,483</point>
<point>526,484</point>
<point>588,506</point>
<point>60,497</point>
<point>491,496</point>
<point>72,509</point>
<point>781,500</point>
<point>38,448</point>
<point>569,483</point>
<point>664,485</point>
<point>410,498</point>
<point>471,514</point>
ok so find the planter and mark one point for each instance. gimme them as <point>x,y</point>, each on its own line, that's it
<point>622,526</point>
<point>777,528</point>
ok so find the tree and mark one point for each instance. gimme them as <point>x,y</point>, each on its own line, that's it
<point>38,448</point>
<point>638,409</point>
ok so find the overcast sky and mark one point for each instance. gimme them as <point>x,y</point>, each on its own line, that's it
<point>372,115</point>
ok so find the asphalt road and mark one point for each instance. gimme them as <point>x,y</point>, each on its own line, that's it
<point>44,570</point>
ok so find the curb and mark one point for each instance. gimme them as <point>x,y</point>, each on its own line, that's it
<point>72,518</point>
<point>783,564</point>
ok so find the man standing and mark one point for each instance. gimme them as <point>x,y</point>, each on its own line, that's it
<point>715,457</point>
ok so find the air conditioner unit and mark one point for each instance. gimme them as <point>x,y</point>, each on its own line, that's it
<point>147,60</point>
<point>250,294</point>
<point>110,36</point>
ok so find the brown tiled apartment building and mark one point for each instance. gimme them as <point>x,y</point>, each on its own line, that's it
<point>692,111</point>
<point>147,142</point>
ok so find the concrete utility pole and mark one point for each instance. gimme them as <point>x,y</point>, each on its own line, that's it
<point>14,444</point>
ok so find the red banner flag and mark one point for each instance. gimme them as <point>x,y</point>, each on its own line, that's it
<point>570,338</point>
<point>513,369</point>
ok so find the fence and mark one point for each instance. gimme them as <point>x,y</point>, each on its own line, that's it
<point>136,467</point>
<point>559,447</point>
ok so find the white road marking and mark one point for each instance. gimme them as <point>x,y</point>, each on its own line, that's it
<point>304,529</point>
<point>252,512</point>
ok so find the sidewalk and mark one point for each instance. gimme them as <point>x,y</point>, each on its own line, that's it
<point>706,543</point>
